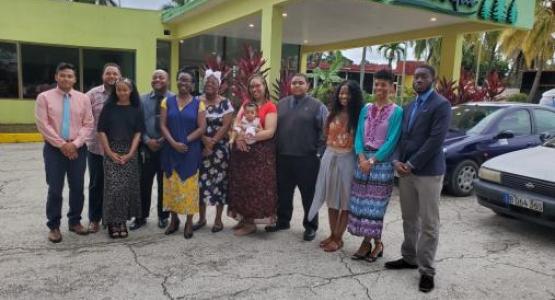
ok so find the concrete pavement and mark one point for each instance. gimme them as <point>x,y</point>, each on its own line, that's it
<point>480,256</point>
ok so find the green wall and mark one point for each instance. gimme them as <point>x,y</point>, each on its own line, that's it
<point>83,25</point>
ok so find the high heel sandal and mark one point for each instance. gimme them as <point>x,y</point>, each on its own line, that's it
<point>371,257</point>
<point>174,225</point>
<point>357,256</point>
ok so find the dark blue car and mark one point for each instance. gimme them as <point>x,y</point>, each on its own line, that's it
<point>480,131</point>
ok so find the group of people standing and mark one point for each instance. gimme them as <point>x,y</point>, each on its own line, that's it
<point>345,157</point>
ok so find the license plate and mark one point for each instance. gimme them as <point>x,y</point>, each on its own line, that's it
<point>524,202</point>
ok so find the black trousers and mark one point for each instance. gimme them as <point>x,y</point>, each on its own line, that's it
<point>301,172</point>
<point>151,167</point>
<point>96,186</point>
<point>57,166</point>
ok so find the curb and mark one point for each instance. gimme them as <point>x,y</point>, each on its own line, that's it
<point>20,138</point>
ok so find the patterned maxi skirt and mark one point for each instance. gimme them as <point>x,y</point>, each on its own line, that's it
<point>122,197</point>
<point>252,183</point>
<point>370,194</point>
<point>213,182</point>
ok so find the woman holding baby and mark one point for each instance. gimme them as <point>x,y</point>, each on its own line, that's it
<point>252,173</point>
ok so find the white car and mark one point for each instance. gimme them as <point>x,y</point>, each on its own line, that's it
<point>548,98</point>
<point>520,184</point>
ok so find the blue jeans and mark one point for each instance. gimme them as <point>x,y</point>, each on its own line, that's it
<point>57,166</point>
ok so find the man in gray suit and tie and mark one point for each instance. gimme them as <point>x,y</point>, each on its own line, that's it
<point>420,163</point>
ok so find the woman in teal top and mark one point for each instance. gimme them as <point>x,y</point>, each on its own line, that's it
<point>378,131</point>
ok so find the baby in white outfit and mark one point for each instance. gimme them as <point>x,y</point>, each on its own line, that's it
<point>249,124</point>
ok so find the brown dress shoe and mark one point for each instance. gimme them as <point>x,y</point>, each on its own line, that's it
<point>55,236</point>
<point>79,229</point>
<point>94,227</point>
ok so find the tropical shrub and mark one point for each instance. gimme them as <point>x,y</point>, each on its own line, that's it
<point>520,97</point>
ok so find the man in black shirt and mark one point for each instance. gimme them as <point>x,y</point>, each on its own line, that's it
<point>150,148</point>
<point>300,142</point>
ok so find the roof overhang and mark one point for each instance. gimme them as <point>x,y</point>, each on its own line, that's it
<point>338,24</point>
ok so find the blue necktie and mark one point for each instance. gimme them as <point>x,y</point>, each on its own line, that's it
<point>414,111</point>
<point>66,118</point>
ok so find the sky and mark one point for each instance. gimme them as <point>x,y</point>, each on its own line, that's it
<point>145,4</point>
<point>354,54</point>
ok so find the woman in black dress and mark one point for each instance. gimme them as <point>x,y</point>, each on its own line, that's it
<point>119,130</point>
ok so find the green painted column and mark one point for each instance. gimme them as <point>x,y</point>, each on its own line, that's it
<point>451,56</point>
<point>271,40</point>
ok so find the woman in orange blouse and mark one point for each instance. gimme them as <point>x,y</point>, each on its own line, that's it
<point>338,163</point>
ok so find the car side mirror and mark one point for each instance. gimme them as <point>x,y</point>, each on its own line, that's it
<point>544,136</point>
<point>505,134</point>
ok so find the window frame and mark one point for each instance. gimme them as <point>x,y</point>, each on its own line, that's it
<point>80,67</point>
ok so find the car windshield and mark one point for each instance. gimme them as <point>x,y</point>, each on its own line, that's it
<point>466,117</point>
<point>550,143</point>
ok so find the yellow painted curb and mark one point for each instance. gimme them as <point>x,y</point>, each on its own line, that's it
<point>20,137</point>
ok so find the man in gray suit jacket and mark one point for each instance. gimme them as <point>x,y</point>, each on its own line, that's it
<point>420,163</point>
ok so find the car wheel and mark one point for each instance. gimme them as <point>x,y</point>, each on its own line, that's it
<point>462,179</point>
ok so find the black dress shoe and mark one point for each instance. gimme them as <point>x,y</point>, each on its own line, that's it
<point>277,227</point>
<point>426,283</point>
<point>162,223</point>
<point>309,234</point>
<point>399,264</point>
<point>137,223</point>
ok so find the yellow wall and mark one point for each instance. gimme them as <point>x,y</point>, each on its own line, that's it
<point>65,23</point>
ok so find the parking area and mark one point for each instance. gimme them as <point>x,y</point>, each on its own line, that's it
<point>481,255</point>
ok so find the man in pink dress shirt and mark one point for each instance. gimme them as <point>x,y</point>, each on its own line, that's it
<point>64,118</point>
<point>98,95</point>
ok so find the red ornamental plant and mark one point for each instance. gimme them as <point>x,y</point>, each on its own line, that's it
<point>250,63</point>
<point>215,63</point>
<point>447,88</point>
<point>493,85</point>
<point>468,90</point>
<point>282,86</point>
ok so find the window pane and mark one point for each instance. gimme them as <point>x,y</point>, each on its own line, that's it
<point>235,48</point>
<point>94,60</point>
<point>8,71</point>
<point>163,56</point>
<point>193,51</point>
<point>517,122</point>
<point>39,67</point>
<point>545,121</point>
<point>290,57</point>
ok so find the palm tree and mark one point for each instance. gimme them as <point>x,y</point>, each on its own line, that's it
<point>537,44</point>
<point>431,48</point>
<point>363,65</point>
<point>392,51</point>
